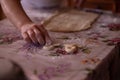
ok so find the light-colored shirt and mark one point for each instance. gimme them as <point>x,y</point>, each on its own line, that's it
<point>40,3</point>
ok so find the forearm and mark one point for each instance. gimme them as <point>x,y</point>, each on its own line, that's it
<point>14,11</point>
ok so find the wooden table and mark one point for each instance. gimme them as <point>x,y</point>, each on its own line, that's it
<point>100,62</point>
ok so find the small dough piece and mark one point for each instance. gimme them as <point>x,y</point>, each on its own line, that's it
<point>51,47</point>
<point>48,47</point>
<point>70,48</point>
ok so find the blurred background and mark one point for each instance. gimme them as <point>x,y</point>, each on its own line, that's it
<point>111,5</point>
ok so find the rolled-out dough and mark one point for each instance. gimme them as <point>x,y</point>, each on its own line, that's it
<point>70,21</point>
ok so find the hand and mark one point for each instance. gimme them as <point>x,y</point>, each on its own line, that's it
<point>75,3</point>
<point>33,33</point>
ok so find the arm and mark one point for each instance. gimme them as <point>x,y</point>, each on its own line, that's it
<point>14,11</point>
<point>29,30</point>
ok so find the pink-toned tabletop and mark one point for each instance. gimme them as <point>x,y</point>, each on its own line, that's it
<point>95,61</point>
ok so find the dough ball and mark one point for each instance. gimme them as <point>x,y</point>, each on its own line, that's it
<point>70,48</point>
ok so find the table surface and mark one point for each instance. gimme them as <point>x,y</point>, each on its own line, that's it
<point>40,65</point>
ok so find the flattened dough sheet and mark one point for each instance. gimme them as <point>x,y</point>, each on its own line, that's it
<point>71,21</point>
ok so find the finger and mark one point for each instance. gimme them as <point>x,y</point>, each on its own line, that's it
<point>77,2</point>
<point>73,3</point>
<point>69,3</point>
<point>46,35</point>
<point>44,31</point>
<point>32,36</point>
<point>80,3</point>
<point>39,37</point>
<point>26,37</point>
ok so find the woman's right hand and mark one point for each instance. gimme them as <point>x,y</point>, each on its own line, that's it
<point>75,3</point>
<point>36,34</point>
